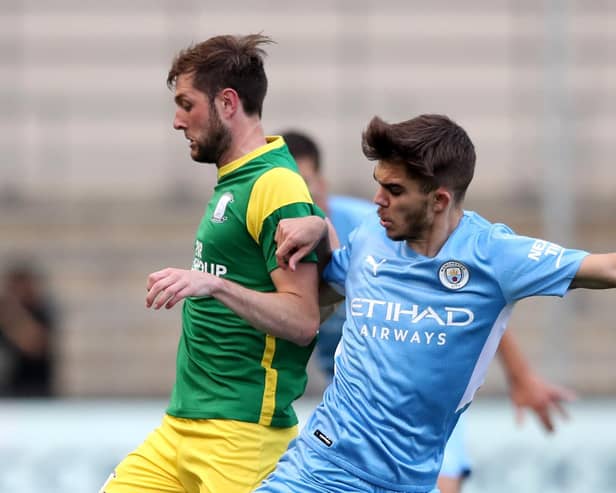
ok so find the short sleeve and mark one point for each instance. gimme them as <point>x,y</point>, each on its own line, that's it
<point>335,272</point>
<point>268,230</point>
<point>526,266</point>
<point>280,193</point>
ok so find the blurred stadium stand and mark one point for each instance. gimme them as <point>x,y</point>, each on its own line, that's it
<point>96,185</point>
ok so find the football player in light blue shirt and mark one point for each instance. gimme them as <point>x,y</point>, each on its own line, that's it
<point>429,289</point>
<point>346,213</point>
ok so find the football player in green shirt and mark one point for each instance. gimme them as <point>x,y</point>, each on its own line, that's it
<point>248,327</point>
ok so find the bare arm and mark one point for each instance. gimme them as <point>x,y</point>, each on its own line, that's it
<point>299,236</point>
<point>527,389</point>
<point>291,312</point>
<point>597,271</point>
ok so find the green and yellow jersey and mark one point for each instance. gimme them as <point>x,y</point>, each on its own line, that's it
<point>226,368</point>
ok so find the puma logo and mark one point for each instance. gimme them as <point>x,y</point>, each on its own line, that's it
<point>374,264</point>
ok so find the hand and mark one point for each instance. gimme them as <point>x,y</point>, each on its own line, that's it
<point>542,397</point>
<point>296,238</point>
<point>168,286</point>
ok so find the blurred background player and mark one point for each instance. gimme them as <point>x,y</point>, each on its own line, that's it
<point>526,388</point>
<point>27,323</point>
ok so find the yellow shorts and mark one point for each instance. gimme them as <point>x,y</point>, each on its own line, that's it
<point>199,456</point>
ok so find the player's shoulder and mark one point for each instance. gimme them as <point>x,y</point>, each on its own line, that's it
<point>474,223</point>
<point>481,236</point>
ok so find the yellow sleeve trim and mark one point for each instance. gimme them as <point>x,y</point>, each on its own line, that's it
<point>271,381</point>
<point>290,189</point>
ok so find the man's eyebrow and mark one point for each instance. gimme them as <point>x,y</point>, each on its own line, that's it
<point>179,98</point>
<point>384,184</point>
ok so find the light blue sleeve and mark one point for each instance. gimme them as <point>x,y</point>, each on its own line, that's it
<point>335,272</point>
<point>527,266</point>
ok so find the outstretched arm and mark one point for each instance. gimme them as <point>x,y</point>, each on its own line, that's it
<point>597,271</point>
<point>527,389</point>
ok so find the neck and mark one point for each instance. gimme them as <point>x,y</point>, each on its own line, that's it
<point>444,224</point>
<point>246,136</point>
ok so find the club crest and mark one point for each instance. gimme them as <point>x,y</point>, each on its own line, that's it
<point>221,207</point>
<point>453,275</point>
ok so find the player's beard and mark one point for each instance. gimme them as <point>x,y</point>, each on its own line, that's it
<point>417,224</point>
<point>216,141</point>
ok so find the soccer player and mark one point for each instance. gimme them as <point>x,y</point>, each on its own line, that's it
<point>248,327</point>
<point>527,389</point>
<point>429,289</point>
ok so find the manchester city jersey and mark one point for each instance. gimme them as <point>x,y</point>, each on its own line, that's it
<point>418,337</point>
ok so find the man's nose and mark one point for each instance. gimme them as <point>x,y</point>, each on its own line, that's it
<point>178,122</point>
<point>379,198</point>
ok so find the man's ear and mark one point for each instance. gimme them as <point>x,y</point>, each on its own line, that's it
<point>228,102</point>
<point>442,199</point>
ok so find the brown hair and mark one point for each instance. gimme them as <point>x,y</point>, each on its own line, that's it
<point>226,61</point>
<point>433,149</point>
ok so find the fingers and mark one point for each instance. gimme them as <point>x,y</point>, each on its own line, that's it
<point>545,410</point>
<point>561,409</point>
<point>284,253</point>
<point>282,258</point>
<point>155,277</point>
<point>163,289</point>
<point>299,254</point>
<point>295,236</point>
<point>562,394</point>
<point>545,419</point>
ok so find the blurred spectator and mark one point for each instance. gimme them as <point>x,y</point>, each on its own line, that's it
<point>27,321</point>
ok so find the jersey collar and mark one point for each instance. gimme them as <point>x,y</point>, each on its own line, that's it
<point>273,142</point>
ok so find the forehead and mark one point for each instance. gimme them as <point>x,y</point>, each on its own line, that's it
<point>184,86</point>
<point>385,171</point>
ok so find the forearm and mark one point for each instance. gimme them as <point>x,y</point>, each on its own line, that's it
<point>290,312</point>
<point>514,363</point>
<point>282,314</point>
<point>19,327</point>
<point>529,390</point>
<point>597,271</point>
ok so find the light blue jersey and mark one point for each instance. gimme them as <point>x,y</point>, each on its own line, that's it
<point>418,337</point>
<point>345,213</point>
